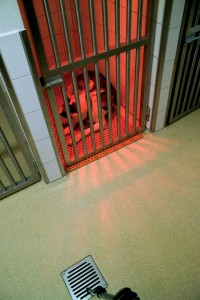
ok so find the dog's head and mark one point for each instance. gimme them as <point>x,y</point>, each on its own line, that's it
<point>73,109</point>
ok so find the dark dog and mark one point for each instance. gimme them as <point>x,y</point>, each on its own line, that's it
<point>84,106</point>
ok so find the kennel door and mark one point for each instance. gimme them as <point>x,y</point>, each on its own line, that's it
<point>17,166</point>
<point>185,90</point>
<point>112,39</point>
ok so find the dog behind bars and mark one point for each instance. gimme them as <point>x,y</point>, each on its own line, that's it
<point>84,106</point>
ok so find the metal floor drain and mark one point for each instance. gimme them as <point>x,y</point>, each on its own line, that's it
<point>84,274</point>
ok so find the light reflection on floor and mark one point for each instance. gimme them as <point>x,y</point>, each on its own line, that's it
<point>136,211</point>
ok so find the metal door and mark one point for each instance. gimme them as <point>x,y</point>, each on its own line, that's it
<point>101,36</point>
<point>185,89</point>
<point>17,166</point>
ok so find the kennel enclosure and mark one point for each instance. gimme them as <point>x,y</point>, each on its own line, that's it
<point>185,88</point>
<point>18,168</point>
<point>112,38</point>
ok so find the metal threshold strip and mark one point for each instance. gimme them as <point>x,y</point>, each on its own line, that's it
<point>104,152</point>
<point>81,276</point>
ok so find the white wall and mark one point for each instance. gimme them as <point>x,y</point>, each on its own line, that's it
<point>18,68</point>
<point>158,31</point>
<point>171,48</point>
<point>10,18</point>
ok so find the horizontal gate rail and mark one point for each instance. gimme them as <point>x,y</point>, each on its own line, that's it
<point>91,59</point>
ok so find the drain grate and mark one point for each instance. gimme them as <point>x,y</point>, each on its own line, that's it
<point>84,274</point>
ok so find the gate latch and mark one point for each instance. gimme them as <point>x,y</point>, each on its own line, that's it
<point>56,80</point>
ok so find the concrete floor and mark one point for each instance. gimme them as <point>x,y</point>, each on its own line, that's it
<point>136,211</point>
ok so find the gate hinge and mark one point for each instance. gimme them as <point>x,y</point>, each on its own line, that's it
<point>147,113</point>
<point>56,80</point>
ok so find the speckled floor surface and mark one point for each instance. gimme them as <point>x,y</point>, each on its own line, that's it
<point>136,211</point>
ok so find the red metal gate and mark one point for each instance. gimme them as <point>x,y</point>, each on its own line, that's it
<point>108,41</point>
